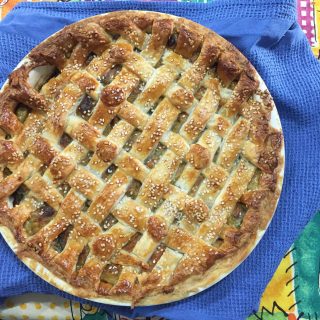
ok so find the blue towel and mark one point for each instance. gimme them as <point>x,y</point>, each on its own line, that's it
<point>266,31</point>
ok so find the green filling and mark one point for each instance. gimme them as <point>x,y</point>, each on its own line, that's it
<point>59,243</point>
<point>82,257</point>
<point>34,224</point>
<point>22,112</point>
<point>38,219</point>
<point>111,273</point>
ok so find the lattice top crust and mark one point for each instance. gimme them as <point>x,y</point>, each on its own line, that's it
<point>137,158</point>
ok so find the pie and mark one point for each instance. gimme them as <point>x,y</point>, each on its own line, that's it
<point>139,162</point>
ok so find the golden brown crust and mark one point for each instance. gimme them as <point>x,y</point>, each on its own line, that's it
<point>23,92</point>
<point>157,228</point>
<point>9,152</point>
<point>228,67</point>
<point>61,166</point>
<point>198,156</point>
<point>181,98</point>
<point>43,150</point>
<point>188,42</point>
<point>196,210</point>
<point>106,150</point>
<point>112,96</point>
<point>8,120</point>
<point>151,151</point>
<point>103,246</point>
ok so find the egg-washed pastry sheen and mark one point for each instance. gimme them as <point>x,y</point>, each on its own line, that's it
<point>138,160</point>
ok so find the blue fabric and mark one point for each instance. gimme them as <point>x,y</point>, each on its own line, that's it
<point>267,32</point>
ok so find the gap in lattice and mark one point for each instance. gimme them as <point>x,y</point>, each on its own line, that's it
<point>53,74</point>
<point>157,205</point>
<point>181,119</point>
<point>200,92</point>
<point>233,84</point>
<point>107,174</point>
<point>155,105</point>
<point>109,75</point>
<point>198,136</point>
<point>26,153</point>
<point>84,161</point>
<point>111,273</point>
<point>155,155</point>
<point>22,111</point>
<point>179,171</point>
<point>64,188</point>
<point>82,257</point>
<point>196,185</point>
<point>213,71</point>
<point>178,77</point>
<point>19,195</point>
<point>158,64</point>
<point>132,139</point>
<point>218,109</point>
<point>86,205</point>
<point>195,56</point>
<point>115,36</point>
<point>178,216</point>
<point>254,182</point>
<point>172,41</point>
<point>65,140</point>
<point>136,91</point>
<point>216,155</point>
<point>236,117</point>
<point>90,57</point>
<point>39,218</point>
<point>43,169</point>
<point>218,243</point>
<point>129,246</point>
<point>108,222</point>
<point>156,255</point>
<point>6,172</point>
<point>236,217</point>
<point>235,163</point>
<point>85,108</point>
<point>110,125</point>
<point>60,242</point>
<point>133,189</point>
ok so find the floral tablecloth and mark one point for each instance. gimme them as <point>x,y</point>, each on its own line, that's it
<point>292,293</point>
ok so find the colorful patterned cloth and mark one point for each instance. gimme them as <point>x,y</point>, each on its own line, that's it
<point>47,307</point>
<point>293,292</point>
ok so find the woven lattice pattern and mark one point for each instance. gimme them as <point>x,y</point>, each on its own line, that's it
<point>136,152</point>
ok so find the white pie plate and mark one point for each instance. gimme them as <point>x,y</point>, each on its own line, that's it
<point>44,273</point>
